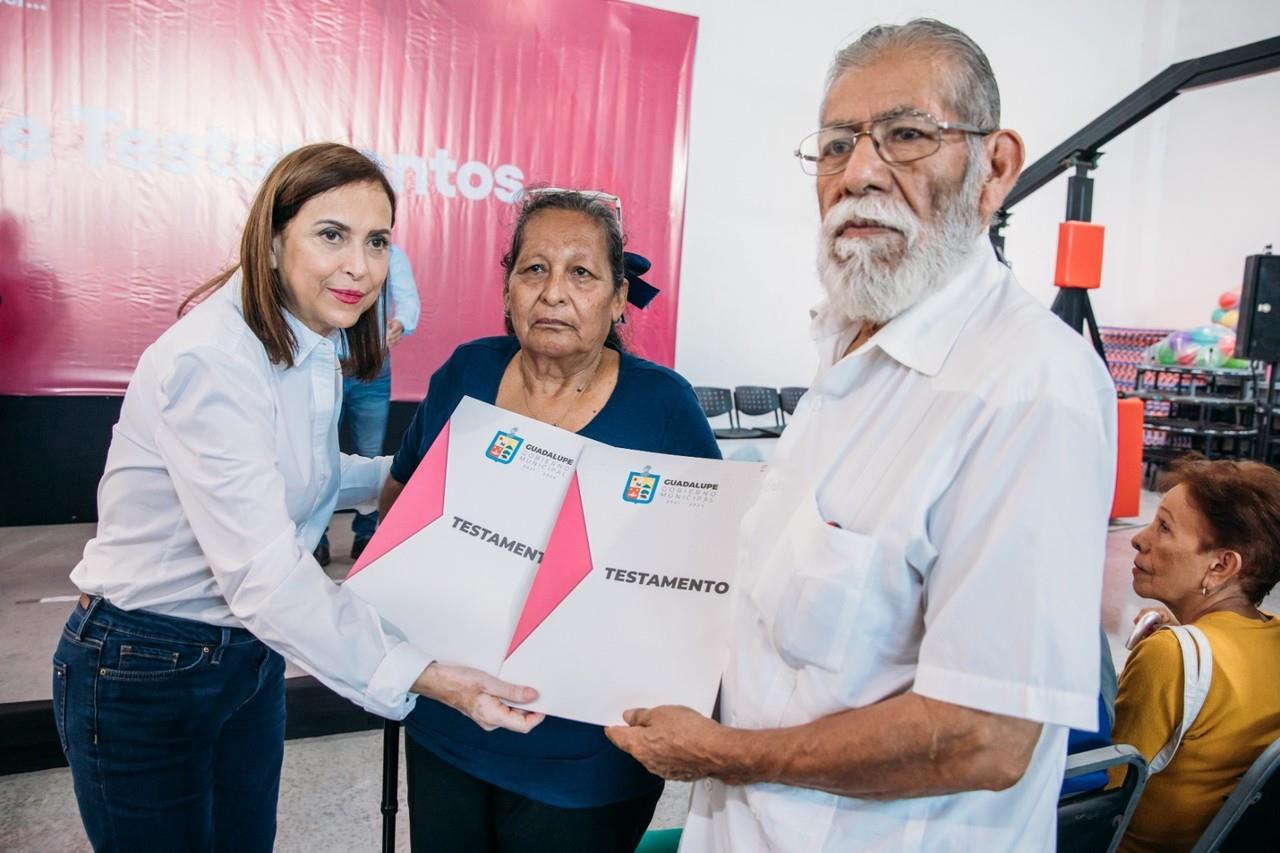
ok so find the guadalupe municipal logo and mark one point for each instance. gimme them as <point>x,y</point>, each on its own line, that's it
<point>504,447</point>
<point>641,487</point>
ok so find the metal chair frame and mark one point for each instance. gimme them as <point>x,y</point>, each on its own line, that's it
<point>1129,792</point>
<point>1260,782</point>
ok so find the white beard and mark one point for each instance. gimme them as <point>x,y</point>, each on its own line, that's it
<point>876,279</point>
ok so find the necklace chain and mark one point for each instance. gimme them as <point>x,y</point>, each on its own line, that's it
<point>528,403</point>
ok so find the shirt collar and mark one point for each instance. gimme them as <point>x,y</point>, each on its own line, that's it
<point>921,337</point>
<point>305,340</point>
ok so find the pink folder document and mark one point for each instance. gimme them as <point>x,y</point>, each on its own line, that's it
<point>631,604</point>
<point>451,565</point>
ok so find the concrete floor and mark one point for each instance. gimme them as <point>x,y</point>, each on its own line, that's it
<point>330,788</point>
<point>330,793</point>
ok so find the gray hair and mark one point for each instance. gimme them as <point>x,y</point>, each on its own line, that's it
<point>592,208</point>
<point>972,90</point>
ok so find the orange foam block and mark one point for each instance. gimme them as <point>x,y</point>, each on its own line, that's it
<point>1128,494</point>
<point>1079,255</point>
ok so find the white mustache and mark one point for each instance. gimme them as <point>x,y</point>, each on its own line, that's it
<point>882,211</point>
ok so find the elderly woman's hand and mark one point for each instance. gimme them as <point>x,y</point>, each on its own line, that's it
<point>479,695</point>
<point>1166,616</point>
<point>1147,622</point>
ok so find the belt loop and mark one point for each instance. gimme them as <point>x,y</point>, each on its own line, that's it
<point>94,601</point>
<point>222,644</point>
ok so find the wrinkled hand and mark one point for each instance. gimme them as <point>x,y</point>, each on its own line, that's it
<point>395,331</point>
<point>672,741</point>
<point>479,695</point>
<point>1166,615</point>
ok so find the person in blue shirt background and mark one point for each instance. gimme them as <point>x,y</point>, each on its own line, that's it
<point>564,786</point>
<point>366,404</point>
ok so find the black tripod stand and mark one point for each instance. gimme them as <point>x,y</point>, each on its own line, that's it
<point>1073,306</point>
<point>390,783</point>
<point>1072,302</point>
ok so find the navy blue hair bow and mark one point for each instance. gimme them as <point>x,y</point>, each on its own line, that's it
<point>640,292</point>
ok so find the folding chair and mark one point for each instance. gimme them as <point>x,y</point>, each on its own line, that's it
<point>719,401</point>
<point>1247,820</point>
<point>758,400</point>
<point>1094,821</point>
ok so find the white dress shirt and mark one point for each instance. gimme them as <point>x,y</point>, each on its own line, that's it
<point>222,474</point>
<point>934,520</point>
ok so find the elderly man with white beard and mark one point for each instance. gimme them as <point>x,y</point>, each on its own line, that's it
<point>917,606</point>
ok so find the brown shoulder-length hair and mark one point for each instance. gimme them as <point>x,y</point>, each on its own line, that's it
<point>1240,505</point>
<point>298,177</point>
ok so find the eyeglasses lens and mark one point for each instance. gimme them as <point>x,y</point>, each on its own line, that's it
<point>900,139</point>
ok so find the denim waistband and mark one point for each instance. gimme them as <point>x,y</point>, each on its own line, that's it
<point>102,614</point>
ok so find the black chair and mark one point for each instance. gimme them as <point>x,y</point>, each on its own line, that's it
<point>1094,821</point>
<point>1247,820</point>
<point>756,400</point>
<point>719,401</point>
<point>791,397</point>
<point>788,397</point>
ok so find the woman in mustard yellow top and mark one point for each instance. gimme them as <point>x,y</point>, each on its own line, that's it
<point>1211,554</point>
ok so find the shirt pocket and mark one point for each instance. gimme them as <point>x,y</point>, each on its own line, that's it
<point>818,606</point>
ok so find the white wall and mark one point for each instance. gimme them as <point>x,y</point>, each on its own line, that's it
<point>1180,214</point>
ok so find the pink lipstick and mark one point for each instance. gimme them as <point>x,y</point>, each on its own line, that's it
<point>349,297</point>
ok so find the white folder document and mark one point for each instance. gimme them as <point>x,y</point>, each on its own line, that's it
<point>451,564</point>
<point>602,577</point>
<point>631,605</point>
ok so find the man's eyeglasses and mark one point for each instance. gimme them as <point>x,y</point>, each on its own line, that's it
<point>898,139</point>
<point>607,199</point>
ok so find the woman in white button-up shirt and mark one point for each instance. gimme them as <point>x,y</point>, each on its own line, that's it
<point>223,470</point>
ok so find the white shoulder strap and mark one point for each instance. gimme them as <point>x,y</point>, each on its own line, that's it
<point>1197,672</point>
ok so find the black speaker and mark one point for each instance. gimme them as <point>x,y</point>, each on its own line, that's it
<point>1258,330</point>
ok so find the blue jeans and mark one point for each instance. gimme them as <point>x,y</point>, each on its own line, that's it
<point>365,406</point>
<point>174,731</point>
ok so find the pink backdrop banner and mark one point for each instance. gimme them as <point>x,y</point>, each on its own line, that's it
<point>133,136</point>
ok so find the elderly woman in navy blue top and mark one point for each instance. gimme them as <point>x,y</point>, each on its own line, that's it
<point>564,786</point>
